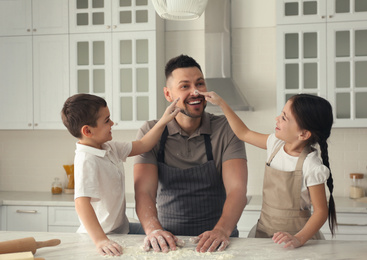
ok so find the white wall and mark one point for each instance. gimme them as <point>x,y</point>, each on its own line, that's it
<point>29,160</point>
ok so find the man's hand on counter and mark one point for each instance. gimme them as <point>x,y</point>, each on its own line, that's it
<point>161,240</point>
<point>211,241</point>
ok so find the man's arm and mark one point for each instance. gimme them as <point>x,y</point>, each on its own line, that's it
<point>234,174</point>
<point>146,185</point>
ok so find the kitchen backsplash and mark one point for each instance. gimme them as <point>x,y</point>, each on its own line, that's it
<point>30,160</point>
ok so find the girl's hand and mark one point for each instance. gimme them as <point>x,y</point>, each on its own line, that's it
<point>171,112</point>
<point>211,96</point>
<point>109,247</point>
<point>288,239</point>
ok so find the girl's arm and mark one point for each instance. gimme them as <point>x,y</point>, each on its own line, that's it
<point>88,217</point>
<point>313,225</point>
<point>150,139</point>
<point>237,125</point>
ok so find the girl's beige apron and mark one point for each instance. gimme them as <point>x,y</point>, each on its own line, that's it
<point>281,200</point>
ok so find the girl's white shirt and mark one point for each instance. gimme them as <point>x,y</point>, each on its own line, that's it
<point>100,175</point>
<point>314,172</point>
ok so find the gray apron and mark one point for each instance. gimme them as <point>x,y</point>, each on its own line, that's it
<point>189,201</point>
<point>281,200</point>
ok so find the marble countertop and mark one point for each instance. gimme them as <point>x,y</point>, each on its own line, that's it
<point>9,198</point>
<point>79,246</point>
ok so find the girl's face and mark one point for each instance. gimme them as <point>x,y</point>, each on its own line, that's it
<point>183,83</point>
<point>102,132</point>
<point>287,128</point>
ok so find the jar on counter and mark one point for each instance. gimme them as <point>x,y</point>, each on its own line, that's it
<point>356,189</point>
<point>56,186</point>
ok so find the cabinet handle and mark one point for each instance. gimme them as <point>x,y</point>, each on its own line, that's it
<point>29,124</point>
<point>26,211</point>
<point>108,27</point>
<point>352,225</point>
<point>115,26</point>
<point>323,17</point>
<point>330,16</point>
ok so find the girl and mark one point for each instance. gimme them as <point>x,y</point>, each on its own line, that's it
<point>294,174</point>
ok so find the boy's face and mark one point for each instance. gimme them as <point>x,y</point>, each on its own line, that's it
<point>102,132</point>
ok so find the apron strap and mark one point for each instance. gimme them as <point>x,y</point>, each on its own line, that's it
<point>208,147</point>
<point>306,150</point>
<point>162,143</point>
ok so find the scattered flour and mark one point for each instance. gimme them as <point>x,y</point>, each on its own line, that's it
<point>137,253</point>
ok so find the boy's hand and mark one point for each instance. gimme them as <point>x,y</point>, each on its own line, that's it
<point>171,112</point>
<point>109,247</point>
<point>212,97</point>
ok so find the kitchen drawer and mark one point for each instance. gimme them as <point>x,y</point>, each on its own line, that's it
<point>351,226</point>
<point>63,216</point>
<point>26,218</point>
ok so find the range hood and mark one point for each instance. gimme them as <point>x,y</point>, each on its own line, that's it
<point>218,62</point>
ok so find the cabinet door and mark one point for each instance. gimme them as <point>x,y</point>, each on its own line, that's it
<point>301,61</point>
<point>346,10</point>
<point>90,16</point>
<point>134,85</point>
<point>347,73</point>
<point>27,218</point>
<point>301,11</point>
<point>138,15</point>
<point>50,16</point>
<point>90,65</point>
<point>51,79</point>
<point>15,17</point>
<point>16,96</point>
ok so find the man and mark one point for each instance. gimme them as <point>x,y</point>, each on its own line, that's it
<point>194,181</point>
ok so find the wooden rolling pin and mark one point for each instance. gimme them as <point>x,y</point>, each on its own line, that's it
<point>25,244</point>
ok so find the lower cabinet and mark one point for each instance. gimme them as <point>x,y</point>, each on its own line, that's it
<point>26,218</point>
<point>40,218</point>
<point>62,219</point>
<point>351,226</point>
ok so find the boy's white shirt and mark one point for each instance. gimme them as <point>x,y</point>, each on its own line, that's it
<point>314,172</point>
<point>100,175</point>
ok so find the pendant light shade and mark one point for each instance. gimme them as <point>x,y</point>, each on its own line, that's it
<point>179,10</point>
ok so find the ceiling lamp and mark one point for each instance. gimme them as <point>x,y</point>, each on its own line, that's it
<point>180,10</point>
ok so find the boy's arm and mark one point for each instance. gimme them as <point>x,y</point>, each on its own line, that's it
<point>150,139</point>
<point>90,221</point>
<point>238,126</point>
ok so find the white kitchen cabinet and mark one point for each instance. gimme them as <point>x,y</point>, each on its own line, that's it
<point>26,218</point>
<point>62,219</point>
<point>111,15</point>
<point>247,221</point>
<point>27,17</point>
<point>35,77</point>
<point>324,57</point>
<point>351,226</point>
<point>125,68</point>
<point>34,51</point>
<point>319,11</point>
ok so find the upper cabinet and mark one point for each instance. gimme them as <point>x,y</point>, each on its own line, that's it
<point>37,17</point>
<point>320,11</point>
<point>322,50</point>
<point>34,64</point>
<point>111,15</point>
<point>120,58</point>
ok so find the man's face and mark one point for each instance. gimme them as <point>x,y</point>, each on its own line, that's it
<point>182,83</point>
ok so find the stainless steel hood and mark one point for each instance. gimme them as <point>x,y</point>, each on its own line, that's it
<point>218,61</point>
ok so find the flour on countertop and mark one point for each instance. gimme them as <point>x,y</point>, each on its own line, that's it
<point>137,253</point>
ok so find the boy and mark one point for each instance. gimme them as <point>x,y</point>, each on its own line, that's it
<point>98,165</point>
